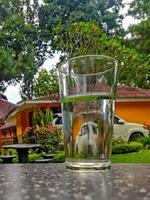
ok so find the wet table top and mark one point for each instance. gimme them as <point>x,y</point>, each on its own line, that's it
<point>54,181</point>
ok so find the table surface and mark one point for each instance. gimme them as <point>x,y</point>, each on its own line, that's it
<point>53,181</point>
<point>21,146</point>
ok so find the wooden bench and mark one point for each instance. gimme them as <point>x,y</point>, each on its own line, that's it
<point>7,158</point>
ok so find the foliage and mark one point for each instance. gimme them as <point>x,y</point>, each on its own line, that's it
<point>140,32</point>
<point>140,9</point>
<point>46,83</point>
<point>29,136</point>
<point>119,140</point>
<point>7,72</point>
<point>88,38</point>
<point>80,38</point>
<point>9,8</point>
<point>23,42</point>
<point>140,35</point>
<point>126,147</point>
<point>42,118</point>
<point>49,138</point>
<point>144,140</point>
<point>143,156</point>
<point>34,156</point>
<point>106,13</point>
<point>59,156</point>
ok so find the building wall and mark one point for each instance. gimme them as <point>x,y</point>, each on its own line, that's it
<point>22,118</point>
<point>22,123</point>
<point>7,135</point>
<point>138,112</point>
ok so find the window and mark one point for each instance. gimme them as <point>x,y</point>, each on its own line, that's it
<point>84,130</point>
<point>94,128</point>
<point>4,133</point>
<point>58,120</point>
<point>31,119</point>
<point>116,120</point>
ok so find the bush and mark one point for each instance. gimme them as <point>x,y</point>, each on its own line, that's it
<point>49,138</point>
<point>145,141</point>
<point>59,157</point>
<point>119,140</point>
<point>126,147</point>
<point>29,136</point>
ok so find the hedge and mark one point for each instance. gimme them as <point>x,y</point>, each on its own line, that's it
<point>126,147</point>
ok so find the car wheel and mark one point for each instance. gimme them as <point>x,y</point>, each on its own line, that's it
<point>135,136</point>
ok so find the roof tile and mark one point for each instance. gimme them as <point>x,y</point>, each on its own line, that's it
<point>132,92</point>
<point>5,108</point>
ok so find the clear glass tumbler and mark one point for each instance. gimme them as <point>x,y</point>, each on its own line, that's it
<point>88,90</point>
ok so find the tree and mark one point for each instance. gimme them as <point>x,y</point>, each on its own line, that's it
<point>46,83</point>
<point>140,33</point>
<point>88,38</point>
<point>7,72</point>
<point>21,38</point>
<point>140,36</point>
<point>140,9</point>
<point>9,8</point>
<point>105,12</point>
<point>80,38</point>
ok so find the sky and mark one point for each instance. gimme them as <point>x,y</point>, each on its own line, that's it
<point>12,92</point>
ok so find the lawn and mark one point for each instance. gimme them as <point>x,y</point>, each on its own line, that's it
<point>142,156</point>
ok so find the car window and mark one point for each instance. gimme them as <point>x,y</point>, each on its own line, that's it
<point>58,120</point>
<point>94,128</point>
<point>84,130</point>
<point>116,120</point>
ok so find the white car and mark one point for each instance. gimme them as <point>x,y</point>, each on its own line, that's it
<point>122,129</point>
<point>128,131</point>
<point>57,121</point>
<point>87,137</point>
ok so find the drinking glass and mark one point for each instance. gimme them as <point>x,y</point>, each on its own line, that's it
<point>88,89</point>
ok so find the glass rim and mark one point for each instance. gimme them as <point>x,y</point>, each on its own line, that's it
<point>84,56</point>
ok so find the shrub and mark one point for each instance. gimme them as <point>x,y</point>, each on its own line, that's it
<point>60,156</point>
<point>144,140</point>
<point>29,136</point>
<point>49,138</point>
<point>118,140</point>
<point>126,147</point>
<point>42,118</point>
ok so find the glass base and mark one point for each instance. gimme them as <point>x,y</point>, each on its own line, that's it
<point>88,165</point>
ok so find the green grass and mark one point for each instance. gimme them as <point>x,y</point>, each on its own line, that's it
<point>142,156</point>
<point>35,156</point>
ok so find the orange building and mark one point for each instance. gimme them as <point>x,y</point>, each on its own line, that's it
<point>132,104</point>
<point>7,130</point>
<point>23,113</point>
